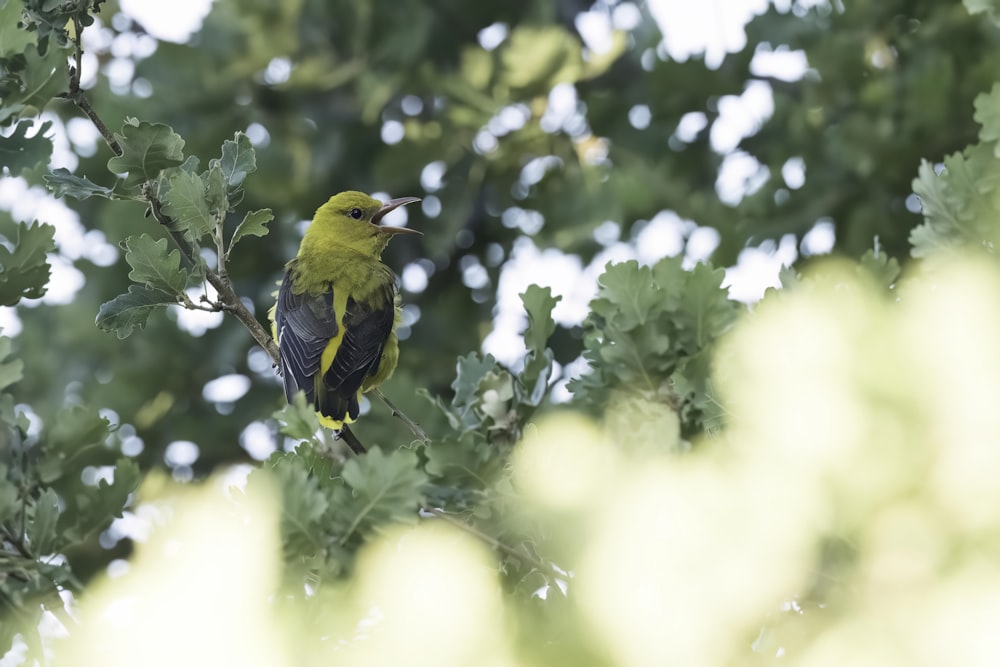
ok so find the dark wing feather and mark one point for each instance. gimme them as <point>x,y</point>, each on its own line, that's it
<point>366,329</point>
<point>305,324</point>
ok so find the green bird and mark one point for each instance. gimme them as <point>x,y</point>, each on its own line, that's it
<point>335,317</point>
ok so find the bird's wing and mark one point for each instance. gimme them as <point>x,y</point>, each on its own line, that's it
<point>366,329</point>
<point>305,323</point>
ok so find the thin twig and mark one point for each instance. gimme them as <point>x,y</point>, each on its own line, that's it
<point>414,427</point>
<point>77,96</point>
<point>494,542</point>
<point>351,440</point>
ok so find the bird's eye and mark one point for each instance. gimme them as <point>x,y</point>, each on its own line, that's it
<point>356,213</point>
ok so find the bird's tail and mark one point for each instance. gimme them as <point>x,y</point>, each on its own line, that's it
<point>336,408</point>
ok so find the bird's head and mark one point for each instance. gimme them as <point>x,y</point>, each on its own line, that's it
<point>354,219</point>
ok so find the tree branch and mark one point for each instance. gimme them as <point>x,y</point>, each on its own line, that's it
<point>414,427</point>
<point>495,543</point>
<point>77,96</point>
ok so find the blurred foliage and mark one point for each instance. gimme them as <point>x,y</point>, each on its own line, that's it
<point>814,421</point>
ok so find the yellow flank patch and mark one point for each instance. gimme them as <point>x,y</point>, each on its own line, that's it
<point>330,351</point>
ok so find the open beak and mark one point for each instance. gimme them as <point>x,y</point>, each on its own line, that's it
<point>392,205</point>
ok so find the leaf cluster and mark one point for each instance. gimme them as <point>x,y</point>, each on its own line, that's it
<point>47,507</point>
<point>330,508</point>
<point>650,335</point>
<point>959,197</point>
<point>24,266</point>
<point>192,206</point>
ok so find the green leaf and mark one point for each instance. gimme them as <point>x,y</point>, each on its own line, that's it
<point>298,420</point>
<point>11,371</point>
<point>988,115</point>
<point>20,153</point>
<point>469,372</point>
<point>303,505</point>
<point>131,310</point>
<point>538,303</point>
<point>216,192</point>
<point>13,38</point>
<point>627,295</point>
<point>386,488</point>
<point>62,183</point>
<point>186,202</point>
<point>533,383</point>
<point>95,507</point>
<point>466,467</point>
<point>705,309</point>
<point>534,378</point>
<point>254,224</point>
<point>879,266</point>
<point>147,149</point>
<point>43,77</point>
<point>9,504</point>
<point>153,266</point>
<point>238,159</point>
<point>24,271</point>
<point>42,520</point>
<point>74,440</point>
<point>960,205</point>
<point>990,7</point>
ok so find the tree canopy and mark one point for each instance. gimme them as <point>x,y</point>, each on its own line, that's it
<point>778,472</point>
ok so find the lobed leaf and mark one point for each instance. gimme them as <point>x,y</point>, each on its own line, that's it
<point>147,149</point>
<point>386,488</point>
<point>238,159</point>
<point>25,270</point>
<point>302,508</point>
<point>62,183</point>
<point>19,153</point>
<point>186,202</point>
<point>131,310</point>
<point>95,507</point>
<point>626,295</point>
<point>153,266</point>
<point>43,77</point>
<point>296,419</point>
<point>254,224</point>
<point>41,527</point>
<point>538,304</point>
<point>705,309</point>
<point>879,266</point>
<point>469,372</point>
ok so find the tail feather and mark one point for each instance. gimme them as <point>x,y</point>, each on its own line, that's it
<point>338,406</point>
